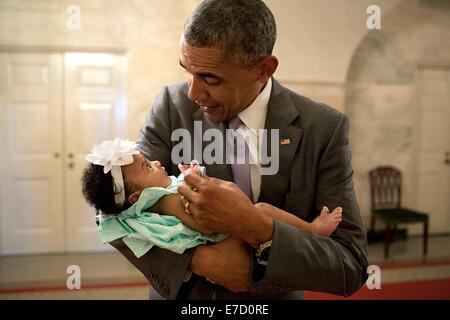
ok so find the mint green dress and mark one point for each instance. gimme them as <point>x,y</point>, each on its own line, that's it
<point>140,230</point>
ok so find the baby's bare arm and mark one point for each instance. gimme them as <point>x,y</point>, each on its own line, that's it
<point>172,205</point>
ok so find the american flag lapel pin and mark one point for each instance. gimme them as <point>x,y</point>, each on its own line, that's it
<point>285,141</point>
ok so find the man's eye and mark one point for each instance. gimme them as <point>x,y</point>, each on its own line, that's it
<point>212,81</point>
<point>149,168</point>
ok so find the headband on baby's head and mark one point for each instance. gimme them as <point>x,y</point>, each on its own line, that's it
<point>112,154</point>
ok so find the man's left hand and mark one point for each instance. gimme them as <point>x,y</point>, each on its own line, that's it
<point>220,206</point>
<point>227,263</point>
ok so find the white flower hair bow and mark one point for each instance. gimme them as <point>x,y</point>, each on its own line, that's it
<point>112,154</point>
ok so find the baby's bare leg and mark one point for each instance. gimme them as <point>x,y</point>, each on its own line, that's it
<point>284,216</point>
<point>323,225</point>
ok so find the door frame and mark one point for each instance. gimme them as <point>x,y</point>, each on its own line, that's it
<point>418,131</point>
<point>8,49</point>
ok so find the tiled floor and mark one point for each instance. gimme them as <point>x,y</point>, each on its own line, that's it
<point>407,263</point>
<point>129,293</point>
<point>51,270</point>
<point>110,276</point>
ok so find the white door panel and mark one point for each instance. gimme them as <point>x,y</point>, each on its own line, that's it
<point>95,111</point>
<point>32,189</point>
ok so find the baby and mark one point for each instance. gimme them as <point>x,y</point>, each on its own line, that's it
<point>129,196</point>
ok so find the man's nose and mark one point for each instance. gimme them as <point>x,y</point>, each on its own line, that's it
<point>198,90</point>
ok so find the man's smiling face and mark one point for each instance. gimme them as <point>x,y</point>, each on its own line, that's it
<point>222,89</point>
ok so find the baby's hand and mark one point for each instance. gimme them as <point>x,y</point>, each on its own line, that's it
<point>194,166</point>
<point>183,167</point>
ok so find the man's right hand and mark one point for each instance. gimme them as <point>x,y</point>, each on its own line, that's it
<point>227,263</point>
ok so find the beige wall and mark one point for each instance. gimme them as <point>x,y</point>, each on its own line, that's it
<point>148,31</point>
<point>316,40</point>
<point>382,92</point>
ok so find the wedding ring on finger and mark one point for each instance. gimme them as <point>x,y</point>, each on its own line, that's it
<point>186,208</point>
<point>186,205</point>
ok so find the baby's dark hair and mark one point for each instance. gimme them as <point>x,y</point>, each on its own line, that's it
<point>98,190</point>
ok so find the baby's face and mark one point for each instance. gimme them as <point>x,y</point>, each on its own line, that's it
<point>144,173</point>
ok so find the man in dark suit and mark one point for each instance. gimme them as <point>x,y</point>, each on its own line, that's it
<point>227,54</point>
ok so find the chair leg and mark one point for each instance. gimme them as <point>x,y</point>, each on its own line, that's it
<point>425,238</point>
<point>387,239</point>
<point>372,224</point>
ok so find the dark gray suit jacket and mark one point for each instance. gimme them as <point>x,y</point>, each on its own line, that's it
<point>315,170</point>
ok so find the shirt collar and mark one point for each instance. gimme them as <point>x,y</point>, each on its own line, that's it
<point>254,116</point>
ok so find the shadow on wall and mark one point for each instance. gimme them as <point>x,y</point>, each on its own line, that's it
<point>381,95</point>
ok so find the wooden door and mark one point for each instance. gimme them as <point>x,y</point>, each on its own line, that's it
<point>32,193</point>
<point>433,125</point>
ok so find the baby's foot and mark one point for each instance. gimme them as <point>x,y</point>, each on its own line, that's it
<point>326,222</point>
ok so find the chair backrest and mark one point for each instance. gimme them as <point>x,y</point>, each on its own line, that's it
<point>385,187</point>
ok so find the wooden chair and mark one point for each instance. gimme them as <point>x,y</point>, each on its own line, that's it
<point>386,197</point>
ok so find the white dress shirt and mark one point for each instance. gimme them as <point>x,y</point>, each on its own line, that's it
<point>253,120</point>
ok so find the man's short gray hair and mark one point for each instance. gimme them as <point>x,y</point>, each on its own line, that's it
<point>246,29</point>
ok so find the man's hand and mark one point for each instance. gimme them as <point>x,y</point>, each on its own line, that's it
<point>227,263</point>
<point>220,206</point>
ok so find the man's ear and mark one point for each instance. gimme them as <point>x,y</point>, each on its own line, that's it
<point>267,66</point>
<point>132,198</point>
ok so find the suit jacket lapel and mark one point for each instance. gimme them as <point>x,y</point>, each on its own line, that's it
<point>281,115</point>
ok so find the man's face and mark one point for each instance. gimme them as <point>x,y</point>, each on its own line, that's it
<point>143,173</point>
<point>222,89</point>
